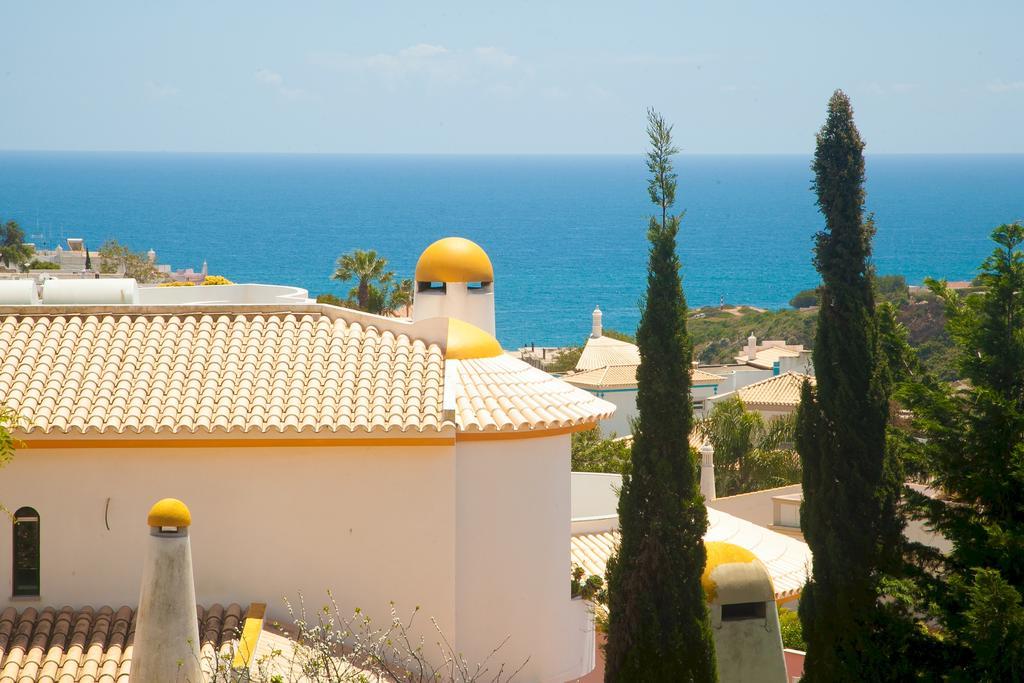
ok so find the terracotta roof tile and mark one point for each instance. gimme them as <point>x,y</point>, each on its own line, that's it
<point>88,646</point>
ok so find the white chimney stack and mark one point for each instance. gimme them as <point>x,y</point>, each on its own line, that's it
<point>751,347</point>
<point>166,625</point>
<point>595,323</point>
<point>707,471</point>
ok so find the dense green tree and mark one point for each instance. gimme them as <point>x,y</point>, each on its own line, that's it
<point>751,453</point>
<point>370,273</point>
<point>592,451</point>
<point>13,250</point>
<point>88,257</point>
<point>851,483</point>
<point>972,440</point>
<point>805,298</point>
<point>658,620</point>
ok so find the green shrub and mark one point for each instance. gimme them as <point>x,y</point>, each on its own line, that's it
<point>36,264</point>
<point>792,629</point>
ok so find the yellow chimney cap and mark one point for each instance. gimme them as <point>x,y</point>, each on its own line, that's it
<point>454,259</point>
<point>467,341</point>
<point>169,512</point>
<point>719,553</point>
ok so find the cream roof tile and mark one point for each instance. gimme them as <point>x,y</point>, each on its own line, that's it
<point>223,372</point>
<point>506,394</point>
<point>624,376</point>
<point>600,352</point>
<point>781,391</point>
<point>609,376</point>
<point>148,371</point>
<point>788,560</point>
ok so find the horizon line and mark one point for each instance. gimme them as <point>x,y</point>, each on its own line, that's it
<point>472,154</point>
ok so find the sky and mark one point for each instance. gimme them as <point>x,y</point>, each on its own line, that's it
<point>479,77</point>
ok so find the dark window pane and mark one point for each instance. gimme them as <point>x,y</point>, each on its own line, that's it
<point>26,552</point>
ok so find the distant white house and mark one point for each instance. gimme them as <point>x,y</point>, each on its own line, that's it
<point>776,396</point>
<point>776,355</point>
<point>607,368</point>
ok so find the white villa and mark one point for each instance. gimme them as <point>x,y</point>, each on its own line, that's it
<point>318,448</point>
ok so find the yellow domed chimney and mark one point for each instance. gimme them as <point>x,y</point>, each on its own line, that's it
<point>166,628</point>
<point>455,279</point>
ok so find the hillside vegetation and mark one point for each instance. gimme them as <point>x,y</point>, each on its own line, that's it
<point>719,334</point>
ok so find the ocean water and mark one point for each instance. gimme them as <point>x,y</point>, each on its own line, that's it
<point>565,233</point>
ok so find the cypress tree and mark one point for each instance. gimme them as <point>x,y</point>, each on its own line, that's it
<point>973,446</point>
<point>658,620</point>
<point>850,481</point>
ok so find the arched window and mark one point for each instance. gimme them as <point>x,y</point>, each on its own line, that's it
<point>26,552</point>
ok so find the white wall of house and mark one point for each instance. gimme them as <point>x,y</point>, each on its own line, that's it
<point>476,534</point>
<point>223,294</point>
<point>512,566</point>
<point>625,411</point>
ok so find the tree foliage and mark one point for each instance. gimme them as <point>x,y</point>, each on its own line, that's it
<point>13,250</point>
<point>658,620</point>
<point>592,451</point>
<point>971,440</point>
<point>115,258</point>
<point>851,482</point>
<point>751,453</point>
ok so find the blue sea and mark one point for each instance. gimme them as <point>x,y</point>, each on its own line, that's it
<point>565,233</point>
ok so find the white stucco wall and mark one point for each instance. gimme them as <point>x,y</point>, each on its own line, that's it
<point>476,534</point>
<point>512,565</point>
<point>223,294</point>
<point>625,411</point>
<point>371,523</point>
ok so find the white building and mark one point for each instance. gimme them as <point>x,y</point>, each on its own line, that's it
<point>607,369</point>
<point>318,449</point>
<point>776,396</point>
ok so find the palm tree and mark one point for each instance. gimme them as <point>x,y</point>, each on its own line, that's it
<point>401,296</point>
<point>751,453</point>
<point>366,268</point>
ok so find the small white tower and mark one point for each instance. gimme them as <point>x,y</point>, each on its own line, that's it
<point>707,471</point>
<point>151,256</point>
<point>751,347</point>
<point>166,625</point>
<point>744,618</point>
<point>455,279</point>
<point>206,270</point>
<point>595,323</point>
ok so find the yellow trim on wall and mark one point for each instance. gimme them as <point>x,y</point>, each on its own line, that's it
<point>185,441</point>
<point>250,636</point>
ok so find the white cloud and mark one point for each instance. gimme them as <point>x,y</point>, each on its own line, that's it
<point>999,86</point>
<point>276,81</point>
<point>422,51</point>
<point>269,77</point>
<point>496,56</point>
<point>160,91</point>
<point>425,62</point>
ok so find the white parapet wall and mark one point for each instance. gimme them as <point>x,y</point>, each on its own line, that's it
<point>223,294</point>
